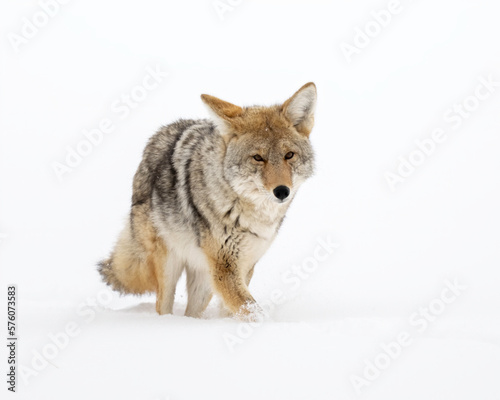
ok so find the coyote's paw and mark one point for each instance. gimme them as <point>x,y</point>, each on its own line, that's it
<point>251,312</point>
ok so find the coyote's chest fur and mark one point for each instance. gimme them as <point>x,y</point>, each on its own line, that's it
<point>252,242</point>
<point>208,199</point>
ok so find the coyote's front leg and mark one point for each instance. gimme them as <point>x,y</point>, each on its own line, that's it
<point>229,276</point>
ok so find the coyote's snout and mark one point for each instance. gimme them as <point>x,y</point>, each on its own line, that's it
<point>208,198</point>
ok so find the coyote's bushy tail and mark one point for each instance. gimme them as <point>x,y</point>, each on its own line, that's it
<point>135,265</point>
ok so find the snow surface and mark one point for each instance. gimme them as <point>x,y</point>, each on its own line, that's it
<point>397,251</point>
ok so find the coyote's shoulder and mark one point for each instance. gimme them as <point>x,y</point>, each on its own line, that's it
<point>209,197</point>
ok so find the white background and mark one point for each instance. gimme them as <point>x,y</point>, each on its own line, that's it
<point>396,248</point>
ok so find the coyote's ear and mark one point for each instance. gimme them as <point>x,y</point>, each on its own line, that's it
<point>299,109</point>
<point>221,111</point>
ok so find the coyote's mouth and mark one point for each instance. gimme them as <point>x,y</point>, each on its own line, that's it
<point>278,201</point>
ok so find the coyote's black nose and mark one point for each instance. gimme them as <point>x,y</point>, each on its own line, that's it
<point>281,192</point>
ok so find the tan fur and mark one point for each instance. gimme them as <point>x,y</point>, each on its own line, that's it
<point>275,175</point>
<point>222,108</point>
<point>258,119</point>
<point>138,264</point>
<point>230,282</point>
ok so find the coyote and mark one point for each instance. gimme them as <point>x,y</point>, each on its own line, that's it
<point>209,197</point>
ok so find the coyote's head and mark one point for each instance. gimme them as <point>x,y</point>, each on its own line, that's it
<point>268,153</point>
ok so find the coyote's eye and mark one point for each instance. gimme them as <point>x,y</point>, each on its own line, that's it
<point>258,158</point>
<point>289,155</point>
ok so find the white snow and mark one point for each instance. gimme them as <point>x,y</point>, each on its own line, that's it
<point>332,313</point>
